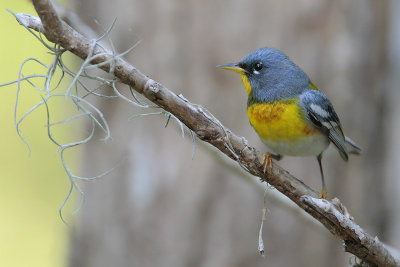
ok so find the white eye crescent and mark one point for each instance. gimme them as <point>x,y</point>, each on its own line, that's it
<point>258,67</point>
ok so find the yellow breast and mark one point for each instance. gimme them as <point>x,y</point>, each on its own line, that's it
<point>279,121</point>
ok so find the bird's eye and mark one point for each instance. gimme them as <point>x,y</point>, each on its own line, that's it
<point>258,66</point>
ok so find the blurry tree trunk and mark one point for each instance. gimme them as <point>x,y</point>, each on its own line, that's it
<point>160,208</point>
<point>373,78</point>
<point>392,166</point>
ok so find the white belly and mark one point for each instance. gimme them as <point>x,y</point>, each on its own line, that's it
<point>307,146</point>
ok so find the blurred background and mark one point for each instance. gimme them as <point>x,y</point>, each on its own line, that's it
<point>160,207</point>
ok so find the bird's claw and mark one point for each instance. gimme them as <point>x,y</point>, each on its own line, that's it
<point>267,163</point>
<point>323,194</point>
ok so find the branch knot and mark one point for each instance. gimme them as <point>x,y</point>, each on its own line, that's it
<point>151,89</point>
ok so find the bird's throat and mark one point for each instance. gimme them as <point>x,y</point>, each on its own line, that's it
<point>246,83</point>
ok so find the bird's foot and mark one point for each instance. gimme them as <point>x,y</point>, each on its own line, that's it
<point>323,194</point>
<point>267,163</point>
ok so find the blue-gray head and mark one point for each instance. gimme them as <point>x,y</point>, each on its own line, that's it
<point>268,74</point>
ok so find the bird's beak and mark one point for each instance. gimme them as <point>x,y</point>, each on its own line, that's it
<point>233,66</point>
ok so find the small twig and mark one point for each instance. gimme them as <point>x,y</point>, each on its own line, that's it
<point>263,218</point>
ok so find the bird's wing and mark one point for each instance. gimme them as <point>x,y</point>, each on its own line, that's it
<point>320,112</point>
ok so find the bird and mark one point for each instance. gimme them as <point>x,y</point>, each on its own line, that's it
<point>288,111</point>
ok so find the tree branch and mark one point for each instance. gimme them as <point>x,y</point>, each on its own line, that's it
<point>332,215</point>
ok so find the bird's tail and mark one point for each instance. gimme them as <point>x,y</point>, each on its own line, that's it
<point>351,147</point>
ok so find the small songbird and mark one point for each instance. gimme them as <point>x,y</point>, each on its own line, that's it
<point>288,111</point>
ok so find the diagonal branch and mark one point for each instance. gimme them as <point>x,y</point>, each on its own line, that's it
<point>333,215</point>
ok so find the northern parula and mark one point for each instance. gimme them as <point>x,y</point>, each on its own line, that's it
<point>288,111</point>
